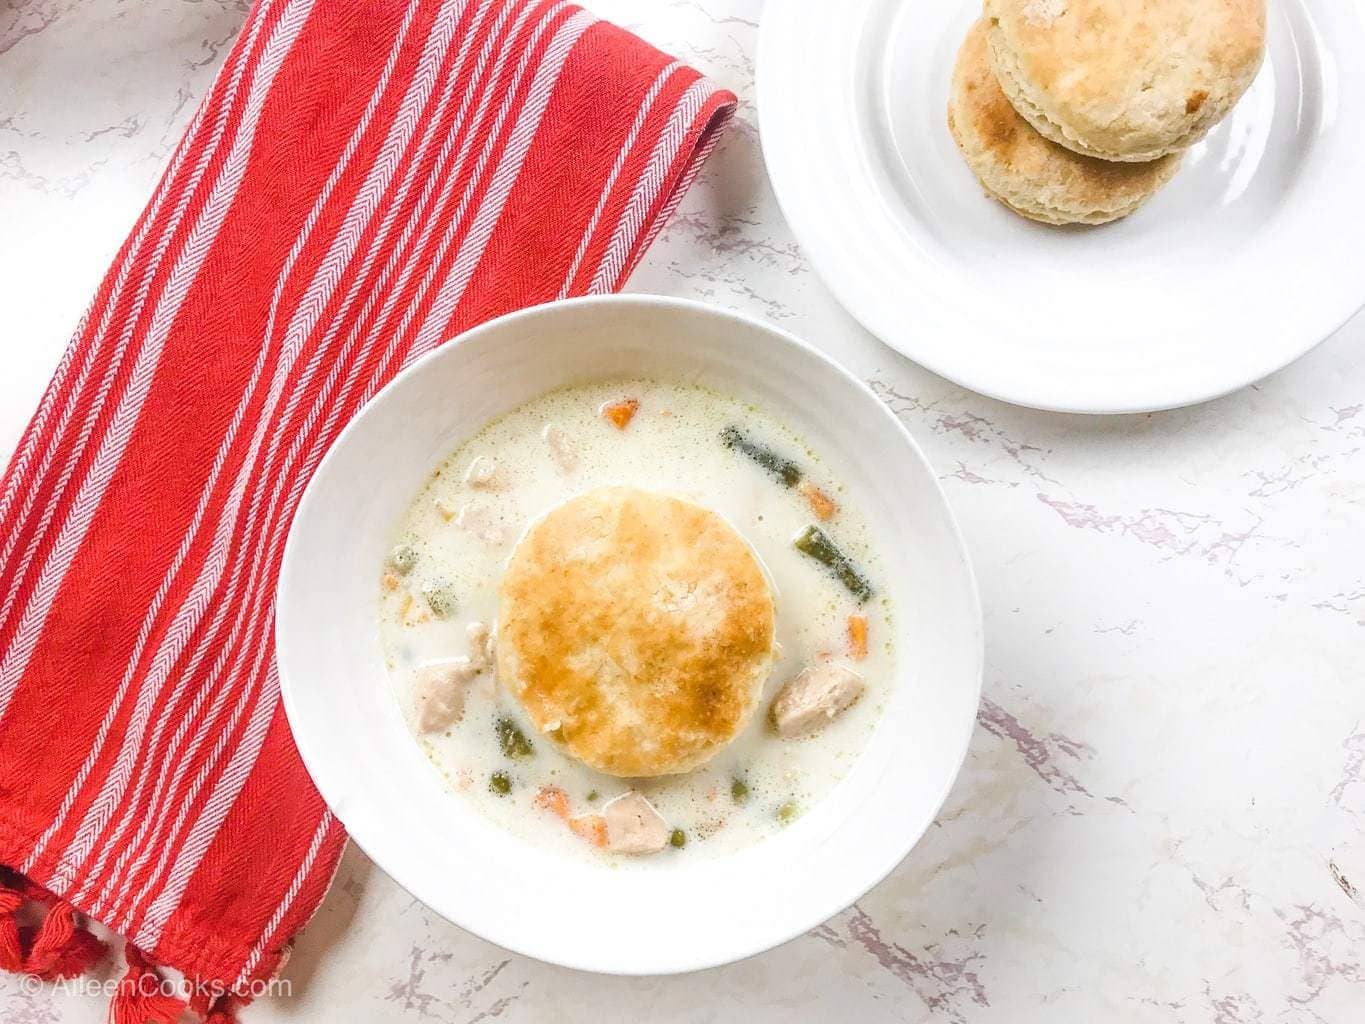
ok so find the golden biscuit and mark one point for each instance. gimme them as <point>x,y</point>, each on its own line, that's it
<point>1025,171</point>
<point>1125,80</point>
<point>636,629</point>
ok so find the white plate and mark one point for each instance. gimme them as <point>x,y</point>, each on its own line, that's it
<point>1248,259</point>
<point>645,918</point>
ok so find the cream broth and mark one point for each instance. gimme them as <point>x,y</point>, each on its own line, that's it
<point>454,542</point>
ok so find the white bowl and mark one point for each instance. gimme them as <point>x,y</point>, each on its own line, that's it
<point>693,913</point>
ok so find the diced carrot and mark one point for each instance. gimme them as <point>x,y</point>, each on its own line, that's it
<point>857,637</point>
<point>554,800</point>
<point>591,828</point>
<point>820,503</point>
<point>389,581</point>
<point>621,413</point>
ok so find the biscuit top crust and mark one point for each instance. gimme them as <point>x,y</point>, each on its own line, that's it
<point>998,140</point>
<point>1135,77</point>
<point>636,629</point>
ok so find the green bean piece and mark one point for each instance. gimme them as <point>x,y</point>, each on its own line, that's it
<point>739,791</point>
<point>402,558</point>
<point>788,812</point>
<point>441,599</point>
<point>779,466</point>
<point>678,838</point>
<point>812,542</point>
<point>500,783</point>
<point>512,740</point>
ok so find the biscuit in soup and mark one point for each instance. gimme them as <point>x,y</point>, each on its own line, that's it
<point>636,630</point>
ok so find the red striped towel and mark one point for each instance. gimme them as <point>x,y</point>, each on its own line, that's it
<point>364,180</point>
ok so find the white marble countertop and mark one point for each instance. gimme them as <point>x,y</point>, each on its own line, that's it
<point>1162,816</point>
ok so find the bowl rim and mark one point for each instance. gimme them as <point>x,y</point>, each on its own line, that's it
<point>820,911</point>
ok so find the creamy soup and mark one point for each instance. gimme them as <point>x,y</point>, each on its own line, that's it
<point>832,661</point>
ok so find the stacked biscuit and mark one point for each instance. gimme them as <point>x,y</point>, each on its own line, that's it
<point>1077,111</point>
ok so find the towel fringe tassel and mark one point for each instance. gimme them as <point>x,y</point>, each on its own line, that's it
<point>11,949</point>
<point>59,947</point>
<point>142,996</point>
<point>223,1011</point>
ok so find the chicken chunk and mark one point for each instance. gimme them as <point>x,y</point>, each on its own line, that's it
<point>480,645</point>
<point>562,448</point>
<point>811,700</point>
<point>439,691</point>
<point>479,520</point>
<point>633,825</point>
<point>484,472</point>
